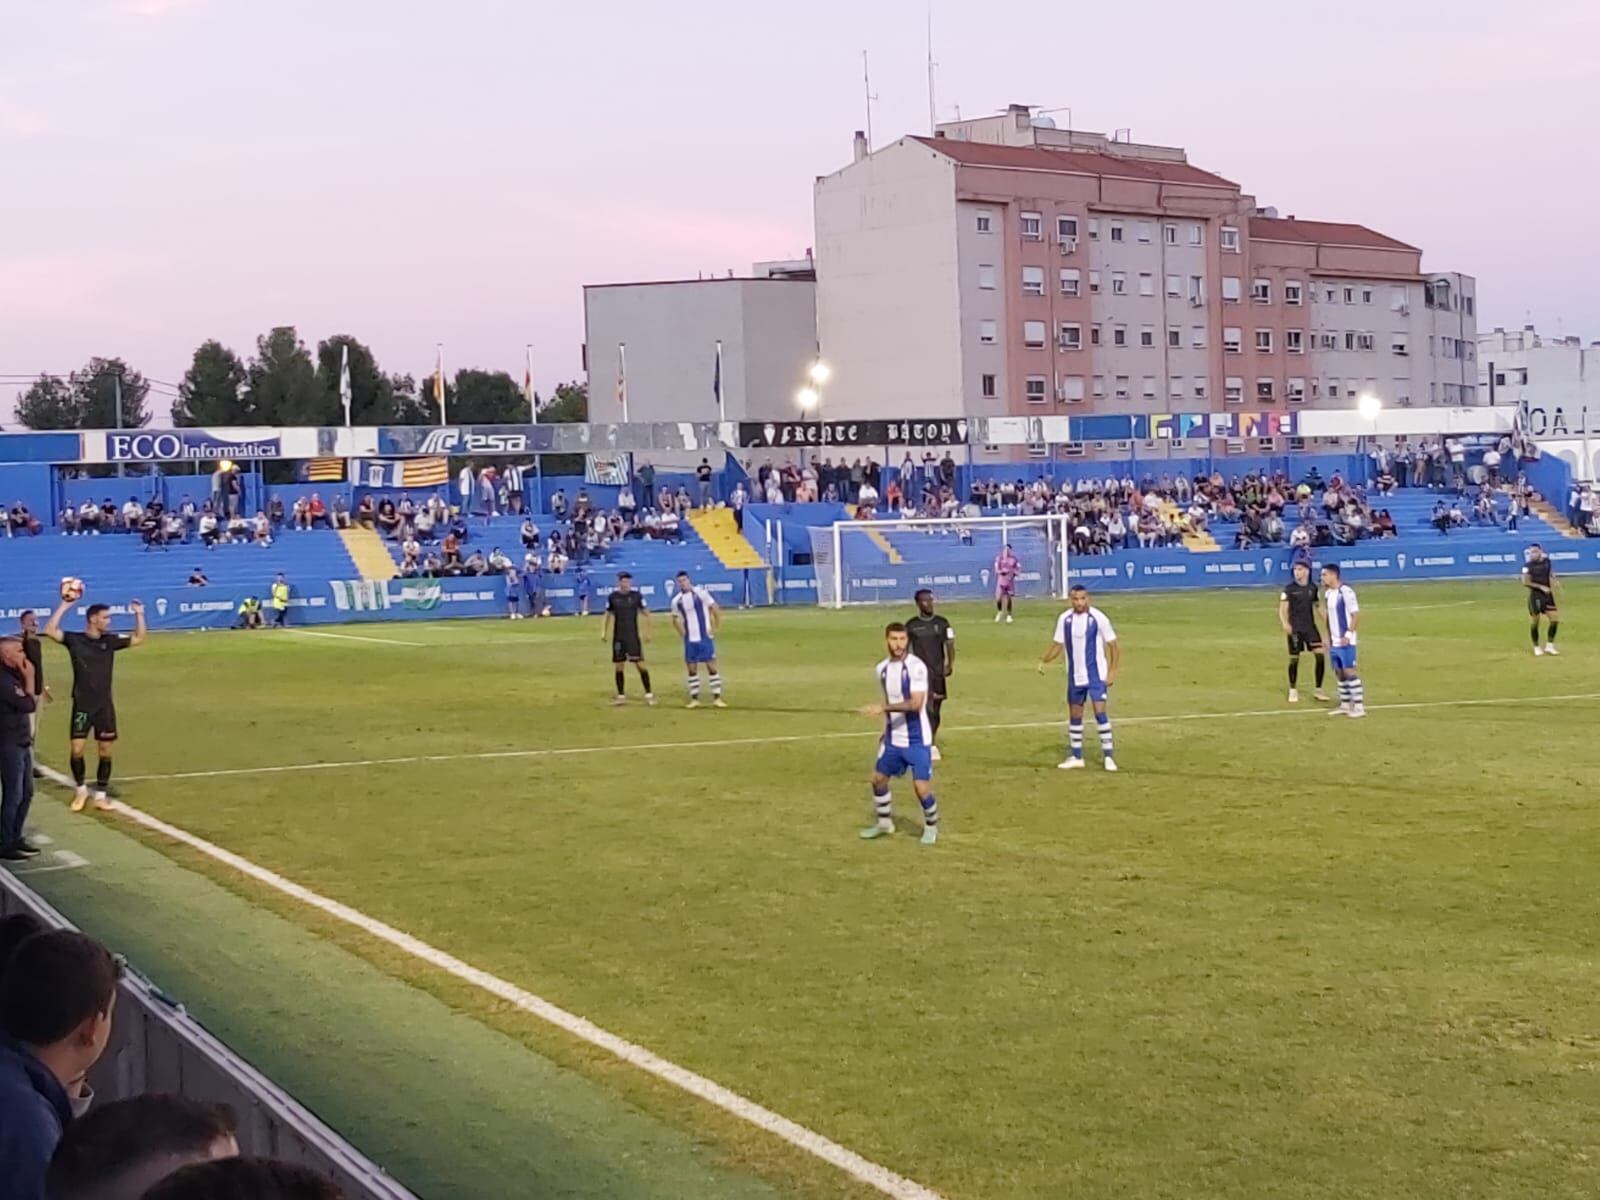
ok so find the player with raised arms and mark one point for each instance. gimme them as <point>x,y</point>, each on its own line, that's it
<point>1344,615</point>
<point>1297,613</point>
<point>1539,578</point>
<point>934,642</point>
<point>1085,635</point>
<point>93,710</point>
<point>696,617</point>
<point>1007,566</point>
<point>625,609</point>
<point>907,743</point>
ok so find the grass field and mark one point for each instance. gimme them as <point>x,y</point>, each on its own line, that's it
<point>1277,955</point>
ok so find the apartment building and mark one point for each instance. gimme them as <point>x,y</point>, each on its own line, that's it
<point>1555,381</point>
<point>1007,267</point>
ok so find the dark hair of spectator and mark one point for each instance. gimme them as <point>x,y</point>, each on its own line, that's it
<point>96,609</point>
<point>621,575</point>
<point>115,1139</point>
<point>14,930</point>
<point>55,982</point>
<point>25,614</point>
<point>244,1179</point>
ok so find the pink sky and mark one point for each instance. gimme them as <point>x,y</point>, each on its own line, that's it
<point>176,170</point>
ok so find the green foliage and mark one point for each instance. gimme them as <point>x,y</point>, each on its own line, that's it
<point>88,398</point>
<point>281,383</point>
<point>49,403</point>
<point>211,392</point>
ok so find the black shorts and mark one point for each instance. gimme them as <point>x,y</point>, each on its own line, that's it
<point>1540,603</point>
<point>626,649</point>
<point>97,719</point>
<point>1305,641</point>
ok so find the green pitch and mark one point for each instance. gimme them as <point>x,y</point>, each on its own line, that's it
<point>1277,955</point>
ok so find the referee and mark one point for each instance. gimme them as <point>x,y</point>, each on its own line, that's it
<point>934,642</point>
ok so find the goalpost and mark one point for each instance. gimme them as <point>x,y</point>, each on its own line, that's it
<point>867,562</point>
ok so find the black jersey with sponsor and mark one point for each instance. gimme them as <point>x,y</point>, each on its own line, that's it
<point>92,659</point>
<point>928,637</point>
<point>625,608</point>
<point>1302,598</point>
<point>1539,572</point>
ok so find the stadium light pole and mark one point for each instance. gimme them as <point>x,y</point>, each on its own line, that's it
<point>1369,406</point>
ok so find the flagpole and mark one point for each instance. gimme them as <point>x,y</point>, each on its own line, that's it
<point>722,407</point>
<point>438,381</point>
<point>622,379</point>
<point>527,381</point>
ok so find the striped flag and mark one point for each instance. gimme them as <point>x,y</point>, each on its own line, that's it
<point>622,378</point>
<point>344,381</point>
<point>527,380</point>
<point>438,382</point>
<point>716,383</point>
<point>323,470</point>
<point>424,472</point>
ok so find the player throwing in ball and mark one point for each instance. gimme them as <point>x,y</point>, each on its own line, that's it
<point>907,737</point>
<point>1007,566</point>
<point>1084,634</point>
<point>94,712</point>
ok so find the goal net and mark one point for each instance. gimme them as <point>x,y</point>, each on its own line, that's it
<point>868,562</point>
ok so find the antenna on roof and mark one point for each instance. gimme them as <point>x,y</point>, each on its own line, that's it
<point>933,111</point>
<point>866,82</point>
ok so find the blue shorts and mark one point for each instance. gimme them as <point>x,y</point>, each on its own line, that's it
<point>700,652</point>
<point>895,761</point>
<point>1343,658</point>
<point>1081,695</point>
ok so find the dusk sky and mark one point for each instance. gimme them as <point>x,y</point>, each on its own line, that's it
<point>410,173</point>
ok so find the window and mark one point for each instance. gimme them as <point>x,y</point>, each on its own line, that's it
<point>1066,229</point>
<point>1327,341</point>
<point>1147,284</point>
<point>986,276</point>
<point>1349,295</point>
<point>1400,344</point>
<point>1333,389</point>
<point>1349,340</point>
<point>1116,231</point>
<point>1072,388</point>
<point>1032,226</point>
<point>1294,292</point>
<point>1033,281</point>
<point>1175,339</point>
<point>1148,388</point>
<point>1094,229</point>
<point>1119,335</point>
<point>1197,290</point>
<point>1197,235</point>
<point>1366,295</point>
<point>1094,335</point>
<point>988,334</point>
<point>1071,337</point>
<point>1033,389</point>
<point>1522,373</point>
<point>1264,390</point>
<point>986,382</point>
<point>1230,239</point>
<point>1316,387</point>
<point>1094,283</point>
<point>1175,286</point>
<point>1398,300</point>
<point>1071,281</point>
<point>1366,341</point>
<point>1119,283</point>
<point>1197,336</point>
<point>1169,235</point>
<point>1261,291</point>
<point>1233,390</point>
<point>985,221</point>
<point>1147,336</point>
<point>1201,384</point>
<point>1467,303</point>
<point>1122,387</point>
<point>1098,386</point>
<point>1033,334</point>
<point>1230,289</point>
<point>1232,340</point>
<point>1175,387</point>
<point>1499,379</point>
<point>1294,341</point>
<point>1146,231</point>
<point>1264,341</point>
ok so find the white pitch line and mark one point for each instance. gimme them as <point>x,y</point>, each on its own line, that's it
<point>356,637</point>
<point>864,1170</point>
<point>782,739</point>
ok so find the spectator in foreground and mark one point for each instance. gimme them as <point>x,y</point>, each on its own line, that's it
<point>244,1179</point>
<point>15,929</point>
<point>120,1151</point>
<point>56,1000</point>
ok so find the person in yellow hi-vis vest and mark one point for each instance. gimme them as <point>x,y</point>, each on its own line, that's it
<point>280,602</point>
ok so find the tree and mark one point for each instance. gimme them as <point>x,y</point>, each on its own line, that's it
<point>281,384</point>
<point>48,404</point>
<point>211,391</point>
<point>408,405</point>
<point>96,388</point>
<point>486,398</point>
<point>569,405</point>
<point>371,391</point>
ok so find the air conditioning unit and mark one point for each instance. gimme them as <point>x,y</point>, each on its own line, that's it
<point>1069,245</point>
<point>1125,444</point>
<point>1175,444</point>
<point>1099,446</point>
<point>1038,450</point>
<point>1297,399</point>
<point>1297,443</point>
<point>1072,450</point>
<point>1235,446</point>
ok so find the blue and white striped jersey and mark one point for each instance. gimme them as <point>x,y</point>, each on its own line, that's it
<point>694,606</point>
<point>1084,637</point>
<point>1342,607</point>
<point>902,680</point>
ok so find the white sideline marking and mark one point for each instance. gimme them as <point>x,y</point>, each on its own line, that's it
<point>355,637</point>
<point>64,860</point>
<point>864,1170</point>
<point>780,739</point>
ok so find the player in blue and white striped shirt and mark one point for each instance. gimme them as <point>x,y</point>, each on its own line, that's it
<point>1084,634</point>
<point>697,618</point>
<point>1344,614</point>
<point>907,743</point>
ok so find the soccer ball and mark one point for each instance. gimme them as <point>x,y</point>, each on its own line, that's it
<point>71,588</point>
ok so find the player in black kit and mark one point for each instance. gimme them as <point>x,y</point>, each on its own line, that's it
<point>1297,613</point>
<point>934,642</point>
<point>1539,578</point>
<point>93,710</point>
<point>624,609</point>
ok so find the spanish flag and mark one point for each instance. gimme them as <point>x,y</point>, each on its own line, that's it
<point>425,472</point>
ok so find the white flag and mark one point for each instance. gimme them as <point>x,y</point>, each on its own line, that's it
<point>344,382</point>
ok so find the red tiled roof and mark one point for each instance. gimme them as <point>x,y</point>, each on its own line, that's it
<point>1323,233</point>
<point>1073,162</point>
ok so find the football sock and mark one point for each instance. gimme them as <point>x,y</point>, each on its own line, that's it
<point>621,680</point>
<point>694,686</point>
<point>1294,670</point>
<point>882,808</point>
<point>1533,632</point>
<point>1322,668</point>
<point>644,678</point>
<point>77,769</point>
<point>716,684</point>
<point>930,809</point>
<point>1075,736</point>
<point>1550,637</point>
<point>1358,695</point>
<point>1344,692</point>
<point>1104,721</point>
<point>102,773</point>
